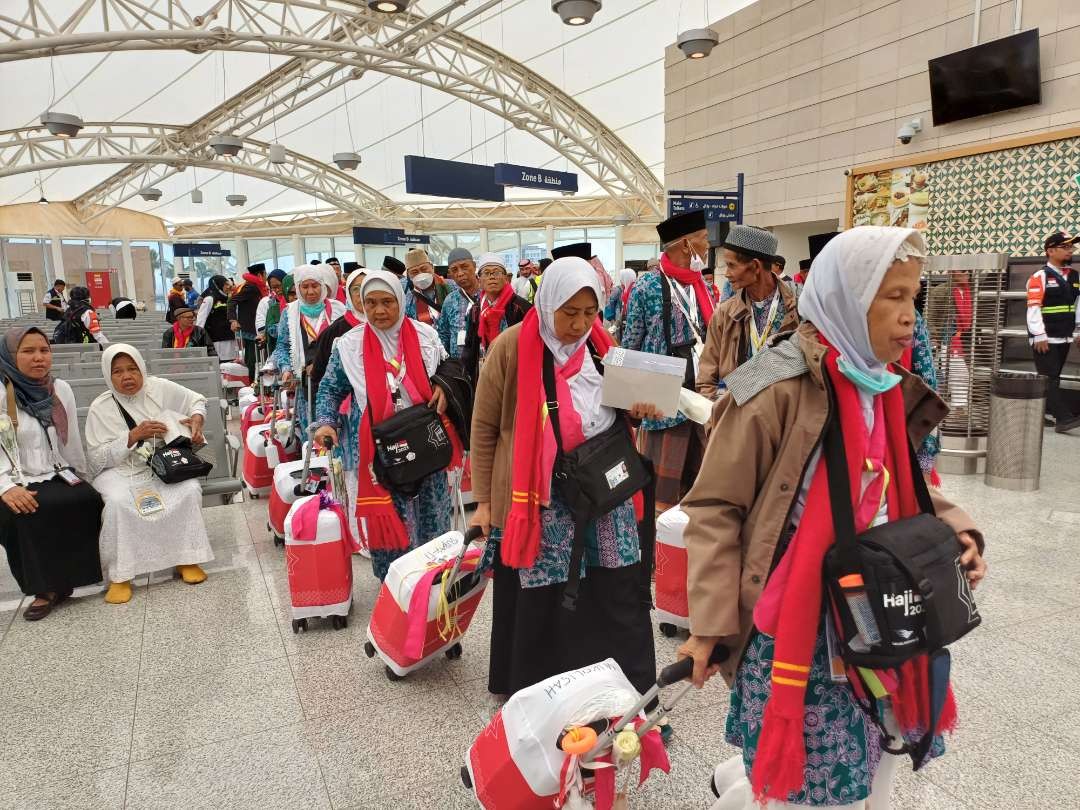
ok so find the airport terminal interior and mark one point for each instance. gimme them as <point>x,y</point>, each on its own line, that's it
<point>225,583</point>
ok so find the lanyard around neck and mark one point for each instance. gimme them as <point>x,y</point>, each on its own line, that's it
<point>758,340</point>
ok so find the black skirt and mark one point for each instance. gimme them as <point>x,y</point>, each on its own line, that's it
<point>55,548</point>
<point>534,637</point>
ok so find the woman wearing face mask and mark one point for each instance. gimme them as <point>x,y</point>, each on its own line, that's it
<point>761,521</point>
<point>531,537</point>
<point>386,364</point>
<point>499,309</point>
<point>423,298</point>
<point>213,316</point>
<point>266,334</point>
<point>298,331</point>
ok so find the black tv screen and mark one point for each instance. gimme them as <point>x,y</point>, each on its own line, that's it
<point>989,78</point>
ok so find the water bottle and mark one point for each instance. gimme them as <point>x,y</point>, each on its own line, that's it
<point>862,611</point>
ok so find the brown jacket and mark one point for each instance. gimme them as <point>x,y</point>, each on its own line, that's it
<point>492,441</point>
<point>729,336</point>
<point>751,474</point>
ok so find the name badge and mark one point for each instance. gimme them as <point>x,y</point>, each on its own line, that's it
<point>68,476</point>
<point>148,502</point>
<point>461,337</point>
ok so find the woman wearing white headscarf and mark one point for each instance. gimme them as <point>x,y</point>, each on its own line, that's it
<point>761,521</point>
<point>301,324</point>
<point>530,531</point>
<point>147,525</point>
<point>385,364</point>
<point>620,296</point>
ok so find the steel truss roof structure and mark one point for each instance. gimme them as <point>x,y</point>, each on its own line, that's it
<point>329,43</point>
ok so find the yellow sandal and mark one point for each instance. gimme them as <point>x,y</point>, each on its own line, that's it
<point>118,593</point>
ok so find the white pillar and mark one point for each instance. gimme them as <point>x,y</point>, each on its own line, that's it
<point>297,250</point>
<point>57,247</point>
<point>550,233</point>
<point>618,251</point>
<point>241,255</point>
<point>177,266</point>
<point>483,240</point>
<point>127,270</point>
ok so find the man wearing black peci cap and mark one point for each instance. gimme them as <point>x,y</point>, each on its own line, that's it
<point>243,307</point>
<point>668,311</point>
<point>761,306</point>
<point>1052,321</point>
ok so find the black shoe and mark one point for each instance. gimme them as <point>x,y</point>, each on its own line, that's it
<point>1065,425</point>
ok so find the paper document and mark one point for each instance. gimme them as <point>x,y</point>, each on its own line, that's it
<point>694,406</point>
<point>171,419</point>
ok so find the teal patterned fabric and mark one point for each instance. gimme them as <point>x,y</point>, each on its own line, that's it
<point>614,305</point>
<point>452,318</point>
<point>611,542</point>
<point>922,364</point>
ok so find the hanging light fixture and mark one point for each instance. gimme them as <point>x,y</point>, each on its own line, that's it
<point>697,43</point>
<point>196,196</point>
<point>226,145</point>
<point>42,200</point>
<point>576,12</point>
<point>62,125</point>
<point>388,6</point>
<point>236,199</point>
<point>346,160</point>
<point>277,153</point>
<point>150,194</point>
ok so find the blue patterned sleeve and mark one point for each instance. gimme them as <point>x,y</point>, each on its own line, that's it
<point>442,323</point>
<point>282,356</point>
<point>922,364</point>
<point>333,389</point>
<point>634,323</point>
<point>611,311</point>
<point>410,305</point>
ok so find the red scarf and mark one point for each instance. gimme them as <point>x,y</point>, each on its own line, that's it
<point>423,309</point>
<point>351,319</point>
<point>181,338</point>
<point>962,300</point>
<point>340,294</point>
<point>626,296</point>
<point>531,472</point>
<point>779,765</point>
<point>690,278</point>
<point>374,504</point>
<point>491,315</point>
<point>259,282</point>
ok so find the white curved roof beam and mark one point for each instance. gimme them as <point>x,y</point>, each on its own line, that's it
<point>346,33</point>
<point>164,151</point>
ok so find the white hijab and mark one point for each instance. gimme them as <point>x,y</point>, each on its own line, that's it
<point>385,281</point>
<point>329,279</point>
<point>844,279</point>
<point>563,279</point>
<point>355,274</point>
<point>627,276</point>
<point>309,272</point>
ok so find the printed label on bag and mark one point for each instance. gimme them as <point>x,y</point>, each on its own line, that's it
<point>436,436</point>
<point>967,598</point>
<point>148,502</point>
<point>617,474</point>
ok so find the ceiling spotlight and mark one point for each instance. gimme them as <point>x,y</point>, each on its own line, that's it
<point>42,200</point>
<point>196,196</point>
<point>346,160</point>
<point>277,153</point>
<point>150,194</point>
<point>388,6</point>
<point>236,199</point>
<point>226,145</point>
<point>697,43</point>
<point>61,125</point>
<point>576,12</point>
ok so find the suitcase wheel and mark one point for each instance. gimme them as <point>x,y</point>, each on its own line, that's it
<point>339,622</point>
<point>369,649</point>
<point>668,630</point>
<point>279,541</point>
<point>454,652</point>
<point>298,625</point>
<point>465,780</point>
<point>254,495</point>
<point>393,676</point>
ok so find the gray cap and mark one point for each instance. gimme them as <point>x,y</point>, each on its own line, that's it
<point>459,254</point>
<point>756,242</point>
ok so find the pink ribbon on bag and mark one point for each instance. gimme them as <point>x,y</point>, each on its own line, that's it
<point>653,756</point>
<point>417,617</point>
<point>305,519</point>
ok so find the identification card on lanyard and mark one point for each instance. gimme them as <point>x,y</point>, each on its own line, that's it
<point>758,341</point>
<point>684,306</point>
<point>67,474</point>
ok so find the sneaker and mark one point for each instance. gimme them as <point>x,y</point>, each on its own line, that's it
<point>1065,425</point>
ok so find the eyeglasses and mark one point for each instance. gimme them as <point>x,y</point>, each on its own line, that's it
<point>492,273</point>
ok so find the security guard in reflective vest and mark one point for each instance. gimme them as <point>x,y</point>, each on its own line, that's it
<point>1052,322</point>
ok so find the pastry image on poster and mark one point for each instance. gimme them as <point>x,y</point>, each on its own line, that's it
<point>898,197</point>
<point>919,205</point>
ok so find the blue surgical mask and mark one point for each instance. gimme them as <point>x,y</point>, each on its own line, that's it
<point>312,310</point>
<point>867,382</point>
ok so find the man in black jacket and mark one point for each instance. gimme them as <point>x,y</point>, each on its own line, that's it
<point>499,309</point>
<point>243,305</point>
<point>184,334</point>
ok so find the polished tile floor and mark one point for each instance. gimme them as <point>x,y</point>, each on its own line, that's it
<point>193,697</point>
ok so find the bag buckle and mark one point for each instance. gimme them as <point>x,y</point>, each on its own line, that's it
<point>552,406</point>
<point>926,588</point>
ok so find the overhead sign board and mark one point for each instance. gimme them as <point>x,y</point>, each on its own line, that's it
<point>387,236</point>
<point>509,174</point>
<point>721,206</point>
<point>451,178</point>
<point>190,250</point>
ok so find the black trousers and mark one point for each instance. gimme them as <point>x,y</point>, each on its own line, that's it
<point>1050,364</point>
<point>249,357</point>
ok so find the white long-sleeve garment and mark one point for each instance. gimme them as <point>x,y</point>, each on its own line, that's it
<point>37,458</point>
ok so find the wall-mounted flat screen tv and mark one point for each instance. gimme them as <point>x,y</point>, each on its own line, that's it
<point>989,78</point>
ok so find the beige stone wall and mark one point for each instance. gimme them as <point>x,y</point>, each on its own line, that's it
<point>797,91</point>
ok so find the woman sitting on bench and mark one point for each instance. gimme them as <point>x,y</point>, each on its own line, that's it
<point>147,525</point>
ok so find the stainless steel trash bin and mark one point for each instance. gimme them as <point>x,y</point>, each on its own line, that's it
<point>1014,449</point>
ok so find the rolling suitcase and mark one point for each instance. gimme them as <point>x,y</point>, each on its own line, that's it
<point>292,480</point>
<point>426,603</point>
<point>318,553</point>
<point>672,608</point>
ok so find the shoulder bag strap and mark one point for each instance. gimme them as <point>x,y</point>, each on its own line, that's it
<point>551,398</point>
<point>840,493</point>
<point>665,308</point>
<point>13,411</point>
<point>127,418</point>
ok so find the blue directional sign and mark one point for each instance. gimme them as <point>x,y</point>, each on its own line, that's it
<point>509,174</point>
<point>387,236</point>
<point>722,206</point>
<point>451,178</point>
<point>182,250</point>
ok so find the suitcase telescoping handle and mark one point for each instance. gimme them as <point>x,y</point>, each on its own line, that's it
<point>683,669</point>
<point>473,534</point>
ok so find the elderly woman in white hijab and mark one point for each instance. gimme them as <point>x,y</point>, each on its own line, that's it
<point>530,531</point>
<point>147,525</point>
<point>385,364</point>
<point>302,322</point>
<point>620,296</point>
<point>761,521</point>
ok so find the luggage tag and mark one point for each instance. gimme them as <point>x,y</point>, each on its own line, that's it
<point>68,476</point>
<point>837,671</point>
<point>461,337</point>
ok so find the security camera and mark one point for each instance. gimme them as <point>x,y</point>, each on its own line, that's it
<point>908,130</point>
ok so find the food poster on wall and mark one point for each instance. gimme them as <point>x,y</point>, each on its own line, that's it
<point>899,197</point>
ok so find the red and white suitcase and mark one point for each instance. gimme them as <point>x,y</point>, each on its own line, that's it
<point>234,375</point>
<point>426,603</point>
<point>318,555</point>
<point>672,608</point>
<point>289,480</point>
<point>257,476</point>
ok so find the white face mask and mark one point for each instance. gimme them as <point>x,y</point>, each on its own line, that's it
<point>423,280</point>
<point>697,263</point>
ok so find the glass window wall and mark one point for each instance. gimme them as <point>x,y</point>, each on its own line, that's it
<point>506,245</point>
<point>284,252</point>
